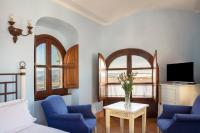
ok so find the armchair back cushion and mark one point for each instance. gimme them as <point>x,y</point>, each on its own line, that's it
<point>54,105</point>
<point>196,106</point>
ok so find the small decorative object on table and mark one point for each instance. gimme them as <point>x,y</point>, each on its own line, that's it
<point>126,81</point>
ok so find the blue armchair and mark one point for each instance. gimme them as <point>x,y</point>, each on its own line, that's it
<point>180,119</point>
<point>73,119</point>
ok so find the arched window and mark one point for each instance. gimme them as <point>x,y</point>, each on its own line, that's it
<point>129,60</point>
<point>49,58</point>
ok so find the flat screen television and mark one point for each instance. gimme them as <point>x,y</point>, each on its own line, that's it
<point>180,72</point>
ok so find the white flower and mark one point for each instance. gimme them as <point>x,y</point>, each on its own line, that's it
<point>128,82</point>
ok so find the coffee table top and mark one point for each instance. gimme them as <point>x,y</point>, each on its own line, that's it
<point>120,106</point>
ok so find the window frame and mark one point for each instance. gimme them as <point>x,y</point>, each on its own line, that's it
<point>129,53</point>
<point>49,41</point>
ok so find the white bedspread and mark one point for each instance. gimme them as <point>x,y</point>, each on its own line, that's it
<point>36,128</point>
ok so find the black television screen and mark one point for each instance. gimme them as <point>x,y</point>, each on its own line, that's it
<point>181,72</point>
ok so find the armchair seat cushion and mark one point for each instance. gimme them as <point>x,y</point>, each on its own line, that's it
<point>164,123</point>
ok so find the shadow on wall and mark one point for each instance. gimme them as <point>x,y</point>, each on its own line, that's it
<point>68,36</point>
<point>63,31</point>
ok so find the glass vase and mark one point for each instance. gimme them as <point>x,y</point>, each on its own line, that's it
<point>127,99</point>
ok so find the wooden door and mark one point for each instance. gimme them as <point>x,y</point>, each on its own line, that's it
<point>102,77</point>
<point>155,77</point>
<point>71,68</point>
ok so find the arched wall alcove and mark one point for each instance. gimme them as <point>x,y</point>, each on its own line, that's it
<point>63,31</point>
<point>68,36</point>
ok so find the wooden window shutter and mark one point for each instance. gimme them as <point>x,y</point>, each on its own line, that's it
<point>155,77</point>
<point>102,77</point>
<point>71,69</point>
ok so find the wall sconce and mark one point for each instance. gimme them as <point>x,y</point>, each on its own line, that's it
<point>15,32</point>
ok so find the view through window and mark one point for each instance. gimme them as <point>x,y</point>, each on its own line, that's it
<point>49,55</point>
<point>143,82</point>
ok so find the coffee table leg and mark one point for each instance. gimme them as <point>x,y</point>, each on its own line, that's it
<point>131,125</point>
<point>144,122</point>
<point>122,125</point>
<point>107,121</point>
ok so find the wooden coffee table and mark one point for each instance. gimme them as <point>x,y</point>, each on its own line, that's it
<point>119,110</point>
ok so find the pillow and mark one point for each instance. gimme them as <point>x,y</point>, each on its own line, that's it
<point>14,115</point>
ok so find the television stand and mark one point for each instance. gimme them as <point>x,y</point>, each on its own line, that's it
<point>181,83</point>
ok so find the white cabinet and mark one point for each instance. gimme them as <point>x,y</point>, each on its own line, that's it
<point>177,94</point>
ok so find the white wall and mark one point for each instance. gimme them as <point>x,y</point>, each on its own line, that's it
<point>175,34</point>
<point>11,53</point>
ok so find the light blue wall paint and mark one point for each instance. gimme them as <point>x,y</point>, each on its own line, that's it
<point>175,34</point>
<point>11,54</point>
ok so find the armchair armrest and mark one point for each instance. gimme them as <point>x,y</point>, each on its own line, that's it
<point>170,110</point>
<point>71,117</point>
<point>187,118</point>
<point>85,110</point>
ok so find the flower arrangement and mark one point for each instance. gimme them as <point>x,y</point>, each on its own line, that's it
<point>126,81</point>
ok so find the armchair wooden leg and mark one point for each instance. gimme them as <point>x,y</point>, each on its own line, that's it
<point>95,130</point>
<point>158,130</point>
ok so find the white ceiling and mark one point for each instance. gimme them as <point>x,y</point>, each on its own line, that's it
<point>108,11</point>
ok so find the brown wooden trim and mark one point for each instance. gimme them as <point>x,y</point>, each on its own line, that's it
<point>144,83</point>
<point>42,37</point>
<point>5,90</point>
<point>142,68</point>
<point>23,73</point>
<point>49,41</point>
<point>129,64</point>
<point>129,51</point>
<point>157,75</point>
<point>8,82</point>
<point>8,93</point>
<point>48,70</point>
<point>71,68</point>
<point>99,82</point>
<point>139,68</point>
<point>50,66</point>
<point>16,93</point>
<point>40,95</point>
<point>44,66</point>
<point>110,69</point>
<point>9,74</point>
<point>57,66</point>
<point>122,98</point>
